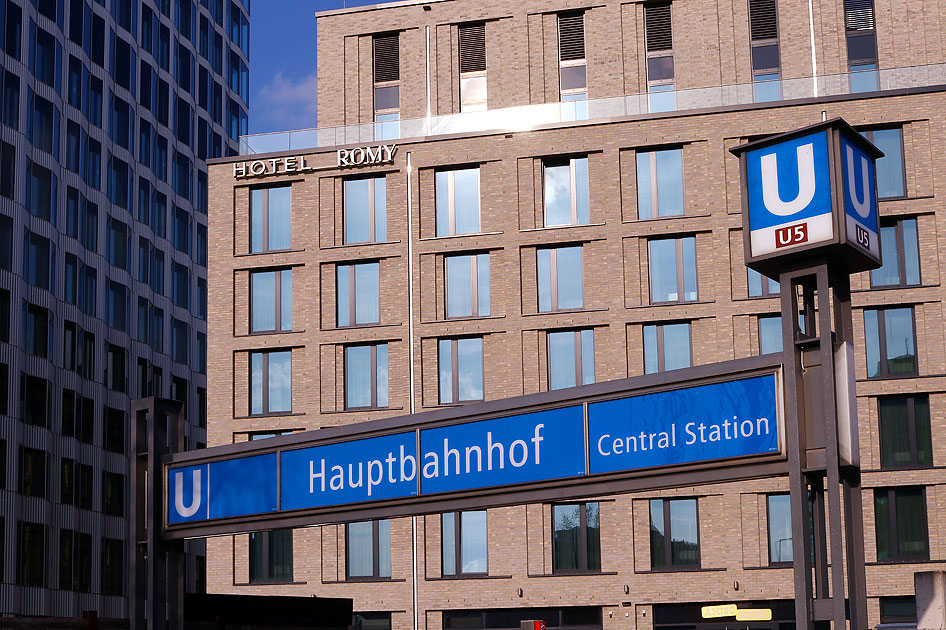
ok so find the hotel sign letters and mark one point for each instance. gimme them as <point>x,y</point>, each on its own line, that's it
<point>729,419</point>
<point>359,156</point>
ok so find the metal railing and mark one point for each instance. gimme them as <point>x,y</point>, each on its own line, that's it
<point>527,117</point>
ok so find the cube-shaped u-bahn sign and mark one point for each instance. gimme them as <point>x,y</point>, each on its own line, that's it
<point>810,193</point>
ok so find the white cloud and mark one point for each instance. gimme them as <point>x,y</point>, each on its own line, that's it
<point>283,104</point>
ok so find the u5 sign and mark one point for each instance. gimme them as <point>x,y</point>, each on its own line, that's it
<point>812,190</point>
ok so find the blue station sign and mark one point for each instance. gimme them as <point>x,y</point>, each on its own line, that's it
<point>735,418</point>
<point>810,192</point>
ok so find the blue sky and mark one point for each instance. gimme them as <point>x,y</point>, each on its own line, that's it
<point>282,62</point>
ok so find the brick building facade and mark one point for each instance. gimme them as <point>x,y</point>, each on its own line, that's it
<point>562,208</point>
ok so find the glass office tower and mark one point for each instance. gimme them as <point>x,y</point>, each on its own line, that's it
<point>109,109</point>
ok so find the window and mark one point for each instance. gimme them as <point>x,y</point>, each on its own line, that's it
<point>460,369</point>
<point>463,543</point>
<point>770,334</point>
<point>901,249</point>
<point>180,285</point>
<point>905,436</point>
<point>900,520</point>
<point>41,195</point>
<point>7,186</point>
<point>44,66</point>
<point>11,95</point>
<point>366,376</point>
<point>674,534</point>
<point>6,242</point>
<point>76,70</point>
<point>472,47</point>
<point>117,244</point>
<point>44,125</point>
<point>73,144</point>
<point>899,610</point>
<point>357,294</point>
<point>12,29</point>
<point>467,279</point>
<point>34,399</point>
<point>890,167</point>
<point>270,382</point>
<point>117,316</point>
<point>5,315</point>
<point>576,538</point>
<point>559,273</point>
<point>115,358</point>
<point>659,183</point>
<point>30,550</point>
<point>566,192</point>
<point>37,326</point>
<point>763,36</point>
<point>114,438</point>
<point>75,561</point>
<point>573,80</point>
<point>32,472</point>
<point>179,340</point>
<point>761,286</point>
<point>861,38</point>
<point>666,347</point>
<point>890,342</point>
<point>271,556</point>
<point>369,550</point>
<point>271,299</point>
<point>371,621</point>
<point>270,216</point>
<point>458,201</point>
<point>673,270</point>
<point>658,38</point>
<point>387,75</point>
<point>779,519</point>
<point>113,493</point>
<point>93,163</point>
<point>365,210</point>
<point>571,358</point>
<point>113,566</point>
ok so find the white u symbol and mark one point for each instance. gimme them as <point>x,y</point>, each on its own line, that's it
<point>179,495</point>
<point>861,204</point>
<point>806,182</point>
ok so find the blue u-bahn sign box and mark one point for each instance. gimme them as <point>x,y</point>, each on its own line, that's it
<point>808,193</point>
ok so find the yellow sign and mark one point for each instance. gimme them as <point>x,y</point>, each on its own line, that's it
<point>754,614</point>
<point>723,610</point>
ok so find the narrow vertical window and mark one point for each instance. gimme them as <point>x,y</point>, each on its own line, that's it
<point>460,369</point>
<point>890,168</point>
<point>271,556</point>
<point>770,334</point>
<point>763,35</point>
<point>472,40</point>
<point>901,248</point>
<point>576,538</point>
<point>658,36</point>
<point>463,537</point>
<point>566,192</point>
<point>861,35</point>
<point>571,358</point>
<point>458,201</point>
<point>387,76</point>
<point>366,210</point>
<point>905,435</point>
<point>368,546</point>
<point>271,300</point>
<point>467,280</point>
<point>357,294</point>
<point>890,342</point>
<point>366,376</point>
<point>674,534</point>
<point>659,183</point>
<point>761,286</point>
<point>901,524</point>
<point>270,382</point>
<point>270,214</point>
<point>672,263</point>
<point>666,347</point>
<point>779,519</point>
<point>559,271</point>
<point>572,66</point>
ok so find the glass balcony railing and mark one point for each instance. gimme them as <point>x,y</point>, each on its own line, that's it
<point>523,118</point>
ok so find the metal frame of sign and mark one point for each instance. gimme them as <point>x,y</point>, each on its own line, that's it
<point>697,473</point>
<point>842,247</point>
